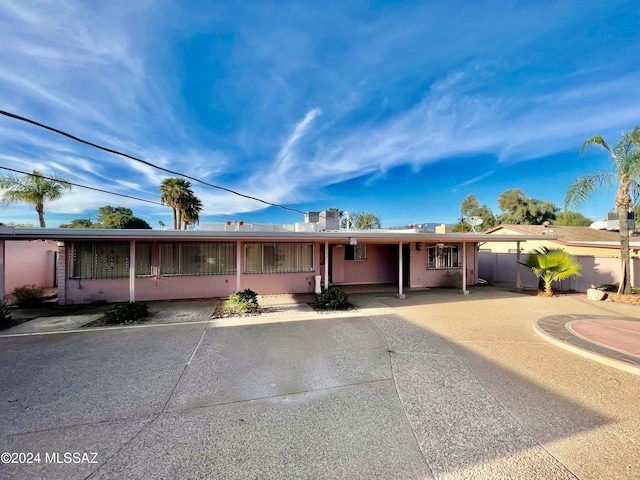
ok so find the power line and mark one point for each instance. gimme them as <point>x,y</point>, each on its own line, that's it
<point>115,152</point>
<point>85,186</point>
<point>119,194</point>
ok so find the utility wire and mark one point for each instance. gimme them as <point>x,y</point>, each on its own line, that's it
<point>85,186</point>
<point>115,152</point>
<point>125,196</point>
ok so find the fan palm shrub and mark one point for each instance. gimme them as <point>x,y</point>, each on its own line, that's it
<point>552,264</point>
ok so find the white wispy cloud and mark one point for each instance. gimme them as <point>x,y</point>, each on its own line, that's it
<point>473,180</point>
<point>309,96</point>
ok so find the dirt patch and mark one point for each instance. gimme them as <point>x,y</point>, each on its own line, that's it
<point>102,322</point>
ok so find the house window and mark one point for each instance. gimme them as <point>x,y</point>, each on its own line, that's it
<point>108,260</point>
<point>443,257</point>
<point>278,257</point>
<point>143,259</point>
<point>355,252</point>
<point>197,258</point>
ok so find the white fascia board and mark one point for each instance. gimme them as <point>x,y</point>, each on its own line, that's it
<point>78,234</point>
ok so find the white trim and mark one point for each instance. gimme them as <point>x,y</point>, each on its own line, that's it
<point>326,265</point>
<point>400,272</point>
<point>464,269</point>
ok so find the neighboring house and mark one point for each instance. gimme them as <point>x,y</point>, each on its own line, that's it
<point>130,265</point>
<point>597,250</point>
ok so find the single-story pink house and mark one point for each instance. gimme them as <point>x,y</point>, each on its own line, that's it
<point>147,265</point>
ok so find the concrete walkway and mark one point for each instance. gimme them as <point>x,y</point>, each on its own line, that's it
<point>438,385</point>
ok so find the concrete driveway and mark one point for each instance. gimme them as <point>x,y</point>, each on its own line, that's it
<point>372,394</point>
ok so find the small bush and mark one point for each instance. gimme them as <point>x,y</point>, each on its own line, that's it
<point>29,296</point>
<point>332,299</point>
<point>245,301</point>
<point>5,316</point>
<point>126,313</point>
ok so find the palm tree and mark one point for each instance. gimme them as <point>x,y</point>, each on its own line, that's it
<point>33,188</point>
<point>190,211</point>
<point>626,175</point>
<point>173,192</point>
<point>552,264</point>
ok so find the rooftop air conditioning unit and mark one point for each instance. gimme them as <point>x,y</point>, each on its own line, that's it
<point>614,224</point>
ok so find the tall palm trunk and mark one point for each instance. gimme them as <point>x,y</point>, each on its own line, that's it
<point>623,200</point>
<point>40,210</point>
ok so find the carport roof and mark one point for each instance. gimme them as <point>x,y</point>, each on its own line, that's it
<point>342,236</point>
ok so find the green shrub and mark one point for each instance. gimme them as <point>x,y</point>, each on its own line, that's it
<point>5,316</point>
<point>126,313</point>
<point>245,301</point>
<point>332,298</point>
<point>29,296</point>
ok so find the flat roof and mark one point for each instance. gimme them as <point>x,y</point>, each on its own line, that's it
<point>342,236</point>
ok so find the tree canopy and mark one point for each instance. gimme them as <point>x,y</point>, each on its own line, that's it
<point>119,218</point>
<point>519,209</point>
<point>78,223</point>
<point>365,220</point>
<point>572,219</point>
<point>471,207</point>
<point>111,217</point>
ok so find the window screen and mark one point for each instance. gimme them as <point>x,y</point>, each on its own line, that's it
<point>108,259</point>
<point>197,258</point>
<point>278,257</point>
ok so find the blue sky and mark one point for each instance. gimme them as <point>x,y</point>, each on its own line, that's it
<point>399,108</point>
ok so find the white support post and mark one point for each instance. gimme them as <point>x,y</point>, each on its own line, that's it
<point>238,265</point>
<point>400,273</point>
<point>2,270</point>
<point>518,281</point>
<point>132,271</point>
<point>464,269</point>
<point>326,265</point>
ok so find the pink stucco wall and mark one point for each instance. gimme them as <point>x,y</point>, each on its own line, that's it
<point>29,263</point>
<point>381,265</point>
<point>422,277</point>
<point>149,288</point>
<point>159,287</point>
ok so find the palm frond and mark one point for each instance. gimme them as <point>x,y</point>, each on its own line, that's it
<point>596,141</point>
<point>584,186</point>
